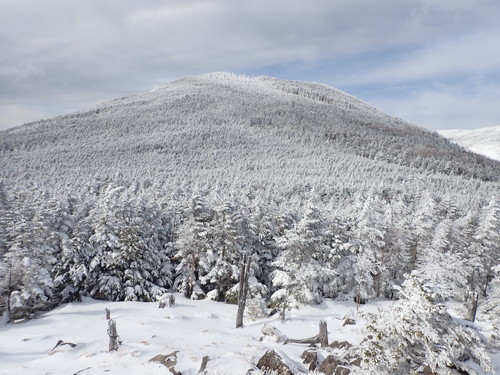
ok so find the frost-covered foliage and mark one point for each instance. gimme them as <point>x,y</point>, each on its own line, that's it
<point>417,332</point>
<point>490,310</point>
<point>305,266</point>
<point>170,189</point>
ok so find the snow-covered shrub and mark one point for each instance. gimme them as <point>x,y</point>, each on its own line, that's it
<point>256,308</point>
<point>416,332</point>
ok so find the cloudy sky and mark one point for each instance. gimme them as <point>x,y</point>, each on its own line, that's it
<point>435,63</point>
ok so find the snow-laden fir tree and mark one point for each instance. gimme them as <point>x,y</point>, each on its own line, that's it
<point>194,243</point>
<point>221,266</point>
<point>487,242</point>
<point>490,309</point>
<point>305,266</point>
<point>371,266</point>
<point>441,265</point>
<point>418,332</point>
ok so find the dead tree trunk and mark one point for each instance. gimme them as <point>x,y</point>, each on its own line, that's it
<point>472,307</point>
<point>114,341</point>
<point>243,289</point>
<point>283,311</point>
<point>321,338</point>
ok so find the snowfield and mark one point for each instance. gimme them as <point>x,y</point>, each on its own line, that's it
<point>193,329</point>
<point>485,141</point>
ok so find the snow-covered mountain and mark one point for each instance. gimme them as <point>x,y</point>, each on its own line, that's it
<point>277,137</point>
<point>308,192</point>
<point>484,141</point>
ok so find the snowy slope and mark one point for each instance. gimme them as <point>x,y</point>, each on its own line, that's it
<point>193,328</point>
<point>484,141</point>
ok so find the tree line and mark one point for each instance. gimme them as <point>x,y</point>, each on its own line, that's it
<point>126,242</point>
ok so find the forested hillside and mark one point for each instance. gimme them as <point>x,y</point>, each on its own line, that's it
<point>172,188</point>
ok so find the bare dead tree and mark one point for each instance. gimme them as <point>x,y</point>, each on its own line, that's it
<point>321,338</point>
<point>243,289</point>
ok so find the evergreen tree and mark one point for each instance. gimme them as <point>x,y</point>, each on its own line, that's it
<point>194,242</point>
<point>221,267</point>
<point>417,332</point>
<point>305,266</point>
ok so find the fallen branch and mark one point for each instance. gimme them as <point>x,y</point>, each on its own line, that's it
<point>61,342</point>
<point>320,338</point>
<point>76,373</point>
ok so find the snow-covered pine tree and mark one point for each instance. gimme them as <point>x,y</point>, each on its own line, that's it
<point>305,267</point>
<point>490,309</point>
<point>194,242</point>
<point>487,242</point>
<point>222,266</point>
<point>28,285</point>
<point>371,267</point>
<point>418,332</point>
<point>441,265</point>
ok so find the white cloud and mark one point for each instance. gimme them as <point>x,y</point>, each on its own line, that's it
<point>465,56</point>
<point>54,50</point>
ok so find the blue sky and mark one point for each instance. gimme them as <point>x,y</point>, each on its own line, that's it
<point>434,63</point>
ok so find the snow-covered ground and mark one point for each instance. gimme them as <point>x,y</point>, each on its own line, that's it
<point>193,328</point>
<point>485,141</point>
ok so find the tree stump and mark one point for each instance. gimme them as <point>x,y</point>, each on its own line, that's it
<point>171,300</point>
<point>114,339</point>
